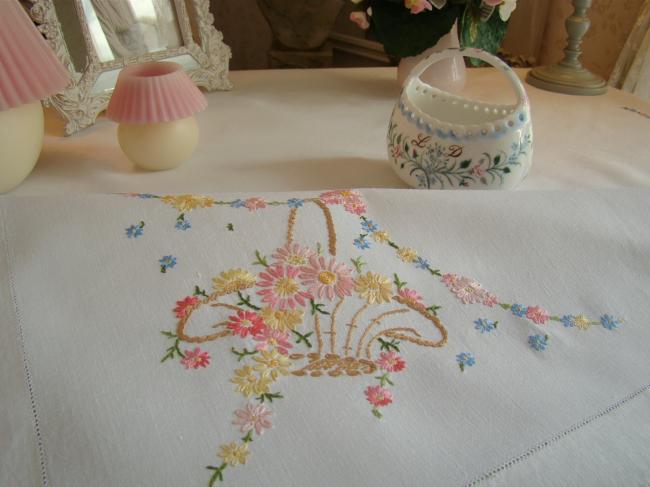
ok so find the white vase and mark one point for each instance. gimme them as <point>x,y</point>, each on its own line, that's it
<point>447,75</point>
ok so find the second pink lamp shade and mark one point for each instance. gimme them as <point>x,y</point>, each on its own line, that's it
<point>155,103</point>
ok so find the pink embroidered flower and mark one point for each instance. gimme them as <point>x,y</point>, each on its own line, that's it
<point>450,280</point>
<point>355,206</point>
<point>489,299</point>
<point>281,287</point>
<point>327,279</point>
<point>252,417</point>
<point>184,305</point>
<point>255,203</point>
<point>411,295</point>
<point>340,196</point>
<point>537,315</point>
<point>361,19</point>
<point>417,6</point>
<point>195,358</point>
<point>246,323</point>
<point>478,171</point>
<point>273,339</point>
<point>391,362</point>
<point>468,291</point>
<point>292,254</point>
<point>378,396</point>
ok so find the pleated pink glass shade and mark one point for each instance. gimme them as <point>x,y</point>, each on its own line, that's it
<point>29,69</point>
<point>153,93</point>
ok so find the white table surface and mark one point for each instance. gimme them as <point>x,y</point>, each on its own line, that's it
<point>287,130</point>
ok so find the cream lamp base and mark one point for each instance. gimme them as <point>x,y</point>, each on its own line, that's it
<point>159,146</point>
<point>21,141</point>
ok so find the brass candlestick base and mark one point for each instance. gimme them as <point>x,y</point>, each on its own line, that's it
<point>569,76</point>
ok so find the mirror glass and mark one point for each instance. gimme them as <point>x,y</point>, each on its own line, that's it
<point>128,28</point>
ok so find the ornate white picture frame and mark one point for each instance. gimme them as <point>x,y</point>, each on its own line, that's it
<point>202,52</point>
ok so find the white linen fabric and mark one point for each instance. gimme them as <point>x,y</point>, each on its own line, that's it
<point>86,400</point>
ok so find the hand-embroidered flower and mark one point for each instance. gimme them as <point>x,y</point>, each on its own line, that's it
<point>238,204</point>
<point>246,323</point>
<point>184,305</point>
<point>374,288</point>
<point>282,320</point>
<point>361,243</point>
<point>188,202</point>
<point>609,322</point>
<point>270,339</point>
<point>339,197</point>
<point>355,206</point>
<point>519,310</point>
<point>233,280</point>
<point>378,396</point>
<point>537,315</point>
<point>381,236</point>
<point>183,224</point>
<point>134,231</point>
<point>295,202</point>
<point>465,289</point>
<point>465,359</point>
<point>292,254</point>
<point>421,263</point>
<point>249,383</point>
<point>391,362</point>
<point>253,417</point>
<point>195,358</point>
<point>272,364</point>
<point>410,295</point>
<point>255,203</point>
<point>234,454</point>
<point>281,288</point>
<point>484,325</point>
<point>407,254</point>
<point>538,342</point>
<point>167,262</point>
<point>582,322</point>
<point>369,226</point>
<point>478,171</point>
<point>326,279</point>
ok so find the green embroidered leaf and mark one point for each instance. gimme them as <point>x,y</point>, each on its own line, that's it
<point>465,164</point>
<point>506,170</point>
<point>497,159</point>
<point>505,305</point>
<point>243,354</point>
<point>261,259</point>
<point>269,396</point>
<point>317,308</point>
<point>398,283</point>
<point>249,437</point>
<point>246,301</point>
<point>388,346</point>
<point>230,227</point>
<point>199,292</point>
<point>376,413</point>
<point>303,338</point>
<point>358,264</point>
<point>433,309</point>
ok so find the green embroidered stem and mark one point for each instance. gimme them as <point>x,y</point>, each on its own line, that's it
<point>246,301</point>
<point>217,474</point>
<point>243,354</point>
<point>462,366</point>
<point>435,272</point>
<point>388,346</point>
<point>392,244</point>
<point>505,305</point>
<point>376,413</point>
<point>319,248</point>
<point>249,437</point>
<point>303,338</point>
<point>261,259</point>
<point>358,264</point>
<point>181,217</point>
<point>199,292</point>
<point>269,396</point>
<point>433,309</point>
<point>141,224</point>
<point>399,284</point>
<point>174,349</point>
<point>230,227</point>
<point>384,379</point>
<point>317,308</point>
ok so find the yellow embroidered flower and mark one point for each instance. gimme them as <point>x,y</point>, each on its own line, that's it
<point>283,320</point>
<point>406,254</point>
<point>375,288</point>
<point>272,363</point>
<point>234,454</point>
<point>248,383</point>
<point>582,322</point>
<point>187,202</point>
<point>381,236</point>
<point>233,280</point>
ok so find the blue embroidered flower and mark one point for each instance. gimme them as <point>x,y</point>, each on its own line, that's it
<point>421,263</point>
<point>484,325</point>
<point>465,359</point>
<point>361,243</point>
<point>538,342</point>
<point>238,204</point>
<point>569,321</point>
<point>295,203</point>
<point>369,226</point>
<point>146,196</point>
<point>167,262</point>
<point>609,322</point>
<point>519,310</point>
<point>134,231</point>
<point>183,224</point>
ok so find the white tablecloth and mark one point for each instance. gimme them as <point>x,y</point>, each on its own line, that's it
<point>301,130</point>
<point>506,388</point>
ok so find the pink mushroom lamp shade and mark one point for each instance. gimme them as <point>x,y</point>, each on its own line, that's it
<point>29,72</point>
<point>155,103</point>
